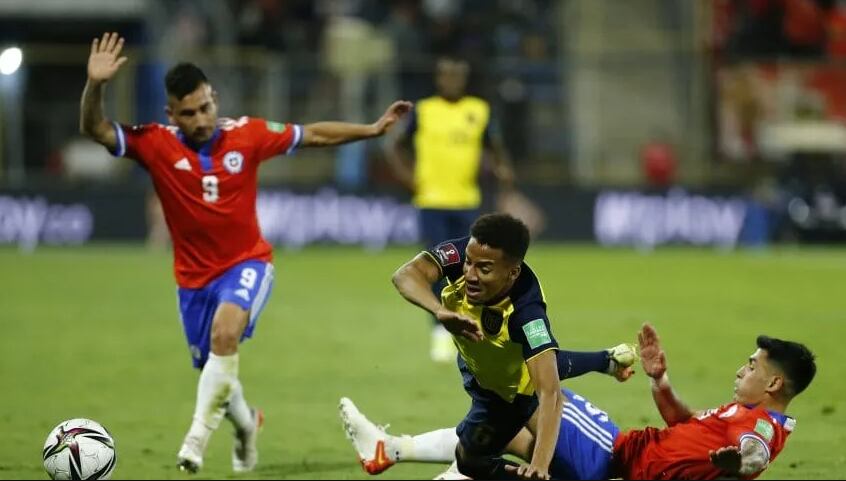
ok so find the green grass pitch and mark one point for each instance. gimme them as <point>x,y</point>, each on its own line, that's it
<point>94,332</point>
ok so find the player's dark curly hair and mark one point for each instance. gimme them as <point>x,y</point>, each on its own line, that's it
<point>183,78</point>
<point>502,231</point>
<point>795,360</point>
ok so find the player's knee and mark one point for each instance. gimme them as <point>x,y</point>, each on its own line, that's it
<point>475,467</point>
<point>224,338</point>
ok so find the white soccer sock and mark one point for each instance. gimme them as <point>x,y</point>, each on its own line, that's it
<point>213,391</point>
<point>432,447</point>
<point>238,411</point>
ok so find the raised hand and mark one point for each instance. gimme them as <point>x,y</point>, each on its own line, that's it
<point>459,325</point>
<point>652,356</point>
<point>727,459</point>
<point>104,60</point>
<point>391,116</point>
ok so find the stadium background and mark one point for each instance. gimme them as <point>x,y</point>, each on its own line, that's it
<point>682,163</point>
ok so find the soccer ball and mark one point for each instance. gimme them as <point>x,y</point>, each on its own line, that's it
<point>79,449</point>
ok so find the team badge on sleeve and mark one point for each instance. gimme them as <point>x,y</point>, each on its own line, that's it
<point>536,333</point>
<point>448,254</point>
<point>765,429</point>
<point>233,162</point>
<point>275,126</point>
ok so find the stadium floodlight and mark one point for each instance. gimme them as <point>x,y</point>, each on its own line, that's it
<point>10,60</point>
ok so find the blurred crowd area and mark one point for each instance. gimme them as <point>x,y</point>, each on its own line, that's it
<point>779,29</point>
<point>292,60</point>
<point>586,92</point>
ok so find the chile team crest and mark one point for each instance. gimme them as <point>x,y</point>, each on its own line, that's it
<point>233,162</point>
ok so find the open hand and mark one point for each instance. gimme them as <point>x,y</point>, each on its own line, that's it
<point>104,60</point>
<point>652,356</point>
<point>391,116</point>
<point>459,325</point>
<point>727,459</point>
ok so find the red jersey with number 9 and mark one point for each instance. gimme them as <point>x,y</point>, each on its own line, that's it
<point>208,192</point>
<point>681,451</point>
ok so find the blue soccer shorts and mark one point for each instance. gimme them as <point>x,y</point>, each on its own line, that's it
<point>247,284</point>
<point>585,441</point>
<point>492,422</point>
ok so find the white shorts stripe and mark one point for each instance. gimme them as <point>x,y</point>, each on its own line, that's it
<point>588,431</point>
<point>602,443</point>
<point>261,296</point>
<point>590,422</point>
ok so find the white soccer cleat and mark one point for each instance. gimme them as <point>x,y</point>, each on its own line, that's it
<point>367,438</point>
<point>622,358</point>
<point>443,348</point>
<point>451,473</point>
<point>190,457</point>
<point>244,449</point>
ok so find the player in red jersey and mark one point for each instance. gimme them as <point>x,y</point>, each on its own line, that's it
<point>736,440</point>
<point>205,170</point>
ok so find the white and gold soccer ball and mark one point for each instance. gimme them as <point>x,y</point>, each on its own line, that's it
<point>79,449</point>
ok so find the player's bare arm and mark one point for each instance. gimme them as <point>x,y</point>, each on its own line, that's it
<point>503,168</point>
<point>546,420</point>
<point>399,156</point>
<point>745,461</point>
<point>654,363</point>
<point>414,281</point>
<point>103,63</point>
<point>324,134</point>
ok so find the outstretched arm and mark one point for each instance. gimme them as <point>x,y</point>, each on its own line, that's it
<point>414,280</point>
<point>324,134</point>
<point>544,374</point>
<point>103,62</point>
<point>502,167</point>
<point>654,362</point>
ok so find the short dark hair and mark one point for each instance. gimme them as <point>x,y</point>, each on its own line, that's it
<point>502,231</point>
<point>794,359</point>
<point>452,58</point>
<point>184,78</point>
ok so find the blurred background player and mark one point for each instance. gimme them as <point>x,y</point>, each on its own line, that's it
<point>445,140</point>
<point>737,440</point>
<point>204,170</point>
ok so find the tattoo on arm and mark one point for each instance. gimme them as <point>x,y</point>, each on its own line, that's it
<point>754,456</point>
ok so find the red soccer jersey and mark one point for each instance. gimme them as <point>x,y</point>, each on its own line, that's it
<point>681,451</point>
<point>209,194</point>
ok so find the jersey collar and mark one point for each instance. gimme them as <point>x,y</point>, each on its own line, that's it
<point>787,422</point>
<point>203,148</point>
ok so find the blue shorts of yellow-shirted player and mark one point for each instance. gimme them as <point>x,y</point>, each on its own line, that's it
<point>247,284</point>
<point>492,422</point>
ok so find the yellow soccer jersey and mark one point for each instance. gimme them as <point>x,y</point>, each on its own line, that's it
<point>448,142</point>
<point>516,328</point>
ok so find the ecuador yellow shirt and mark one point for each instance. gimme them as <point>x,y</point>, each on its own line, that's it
<point>448,141</point>
<point>516,328</point>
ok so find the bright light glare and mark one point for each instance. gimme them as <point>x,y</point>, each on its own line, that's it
<point>10,60</point>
